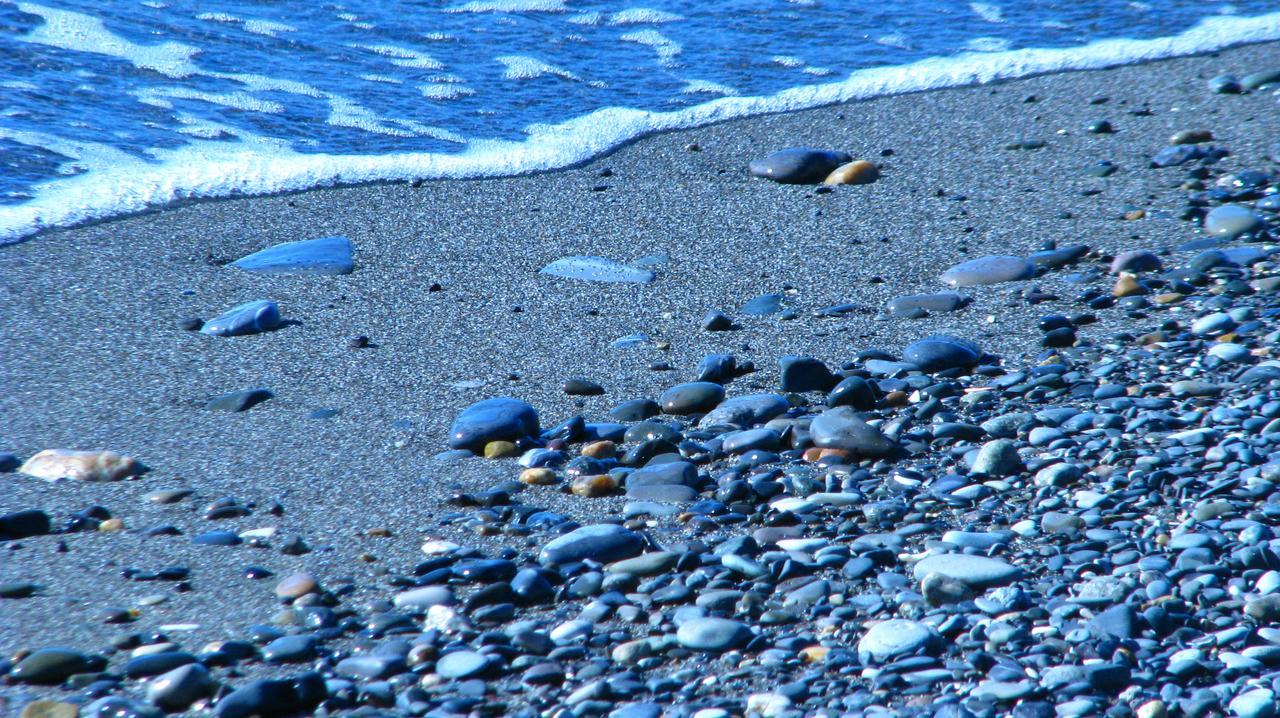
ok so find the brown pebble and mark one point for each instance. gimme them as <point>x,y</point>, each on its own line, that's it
<point>539,477</point>
<point>49,709</point>
<point>111,526</point>
<point>1190,137</point>
<point>814,654</point>
<point>600,450</point>
<point>897,397</point>
<point>297,585</point>
<point>380,532</point>
<point>1169,298</point>
<point>1135,214</point>
<point>1127,286</point>
<point>856,172</point>
<point>594,486</point>
<point>500,450</point>
<point>812,454</point>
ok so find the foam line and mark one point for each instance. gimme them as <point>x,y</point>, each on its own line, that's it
<point>255,166</point>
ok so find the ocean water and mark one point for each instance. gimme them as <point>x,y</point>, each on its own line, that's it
<point>109,107</point>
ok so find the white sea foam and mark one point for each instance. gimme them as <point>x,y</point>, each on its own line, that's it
<point>642,16</point>
<point>587,18</point>
<point>666,48</point>
<point>77,31</point>
<point>706,87</point>
<point>988,11</point>
<point>987,44</point>
<point>160,96</point>
<point>523,67</point>
<point>269,28</point>
<point>403,56</point>
<point>114,182</point>
<point>510,6</point>
<point>787,61</point>
<point>444,91</point>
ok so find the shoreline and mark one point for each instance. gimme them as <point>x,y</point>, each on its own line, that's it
<point>597,134</point>
<point>96,358</point>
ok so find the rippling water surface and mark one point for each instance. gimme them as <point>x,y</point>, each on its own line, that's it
<point>113,106</point>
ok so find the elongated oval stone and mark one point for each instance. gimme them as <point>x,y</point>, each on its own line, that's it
<point>693,397</point>
<point>54,464</point>
<point>798,165</point>
<point>712,634</point>
<point>326,255</point>
<point>599,542</point>
<point>498,419</point>
<point>940,352</point>
<point>249,318</point>
<point>976,571</point>
<point>942,302</point>
<point>596,269</point>
<point>988,270</point>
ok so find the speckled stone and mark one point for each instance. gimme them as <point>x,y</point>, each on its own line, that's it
<point>895,638</point>
<point>323,256</point>
<point>54,464</point>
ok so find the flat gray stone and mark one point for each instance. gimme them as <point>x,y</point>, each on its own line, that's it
<point>1230,221</point>
<point>713,634</point>
<point>326,255</point>
<point>895,638</point>
<point>746,411</point>
<point>596,269</point>
<point>976,571</point>
<point>988,270</point>
<point>941,302</point>
<point>840,428</point>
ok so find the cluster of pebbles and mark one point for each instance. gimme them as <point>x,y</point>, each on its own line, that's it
<point>934,532</point>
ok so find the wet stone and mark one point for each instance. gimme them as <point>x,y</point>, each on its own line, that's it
<point>801,374</point>
<point>290,649</point>
<point>1139,260</point>
<point>499,419</point>
<point>940,352</point>
<point>17,589</point>
<point>578,386</point>
<point>177,689</point>
<point>50,666</point>
<point>798,165</point>
<point>597,542</point>
<point>988,270</point>
<point>691,398</point>
<point>254,317</point>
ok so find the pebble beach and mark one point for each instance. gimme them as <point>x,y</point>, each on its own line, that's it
<point>989,425</point>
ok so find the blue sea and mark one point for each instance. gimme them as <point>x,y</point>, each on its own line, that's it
<point>109,107</point>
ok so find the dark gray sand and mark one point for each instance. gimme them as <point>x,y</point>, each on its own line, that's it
<point>93,356</point>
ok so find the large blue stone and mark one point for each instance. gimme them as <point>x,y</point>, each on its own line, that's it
<point>260,316</point>
<point>604,543</point>
<point>939,352</point>
<point>326,255</point>
<point>499,419</point>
